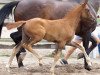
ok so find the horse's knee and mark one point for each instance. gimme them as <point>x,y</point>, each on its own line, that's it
<point>94,43</point>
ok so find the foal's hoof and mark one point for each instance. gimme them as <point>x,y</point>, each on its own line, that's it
<point>7,66</point>
<point>80,55</point>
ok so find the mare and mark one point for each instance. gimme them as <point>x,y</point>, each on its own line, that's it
<point>36,29</point>
<point>51,9</point>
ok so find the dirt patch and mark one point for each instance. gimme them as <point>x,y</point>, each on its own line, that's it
<point>75,67</point>
<point>45,70</point>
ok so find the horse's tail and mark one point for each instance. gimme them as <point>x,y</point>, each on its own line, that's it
<point>15,25</point>
<point>5,11</point>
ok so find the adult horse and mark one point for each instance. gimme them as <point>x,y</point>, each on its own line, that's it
<point>51,9</point>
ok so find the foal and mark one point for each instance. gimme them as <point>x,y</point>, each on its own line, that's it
<point>34,30</point>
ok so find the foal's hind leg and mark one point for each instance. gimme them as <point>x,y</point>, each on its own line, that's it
<point>83,50</point>
<point>29,48</point>
<point>15,51</point>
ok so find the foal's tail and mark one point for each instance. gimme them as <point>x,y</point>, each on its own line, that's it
<point>15,25</point>
<point>5,11</point>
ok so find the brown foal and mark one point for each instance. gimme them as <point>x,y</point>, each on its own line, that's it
<point>59,31</point>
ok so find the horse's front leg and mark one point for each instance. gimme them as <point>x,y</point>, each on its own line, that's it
<point>86,39</point>
<point>87,59</point>
<point>93,45</point>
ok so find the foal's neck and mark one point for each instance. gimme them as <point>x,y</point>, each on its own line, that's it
<point>73,17</point>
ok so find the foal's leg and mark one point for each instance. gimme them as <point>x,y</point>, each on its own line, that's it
<point>15,51</point>
<point>17,37</point>
<point>57,56</point>
<point>83,50</point>
<point>30,49</point>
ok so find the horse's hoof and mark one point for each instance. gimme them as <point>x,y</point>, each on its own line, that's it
<point>20,64</point>
<point>88,68</point>
<point>80,55</point>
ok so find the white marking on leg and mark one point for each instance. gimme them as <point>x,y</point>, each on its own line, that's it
<point>56,58</point>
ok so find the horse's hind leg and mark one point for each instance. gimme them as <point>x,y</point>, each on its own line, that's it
<point>15,51</point>
<point>83,50</point>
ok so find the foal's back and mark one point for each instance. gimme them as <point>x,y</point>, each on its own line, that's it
<point>56,30</point>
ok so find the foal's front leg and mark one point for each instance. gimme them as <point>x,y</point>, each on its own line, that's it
<point>56,58</point>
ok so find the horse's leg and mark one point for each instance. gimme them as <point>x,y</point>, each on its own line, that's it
<point>20,56</point>
<point>94,44</point>
<point>83,50</point>
<point>86,39</point>
<point>17,36</point>
<point>15,51</point>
